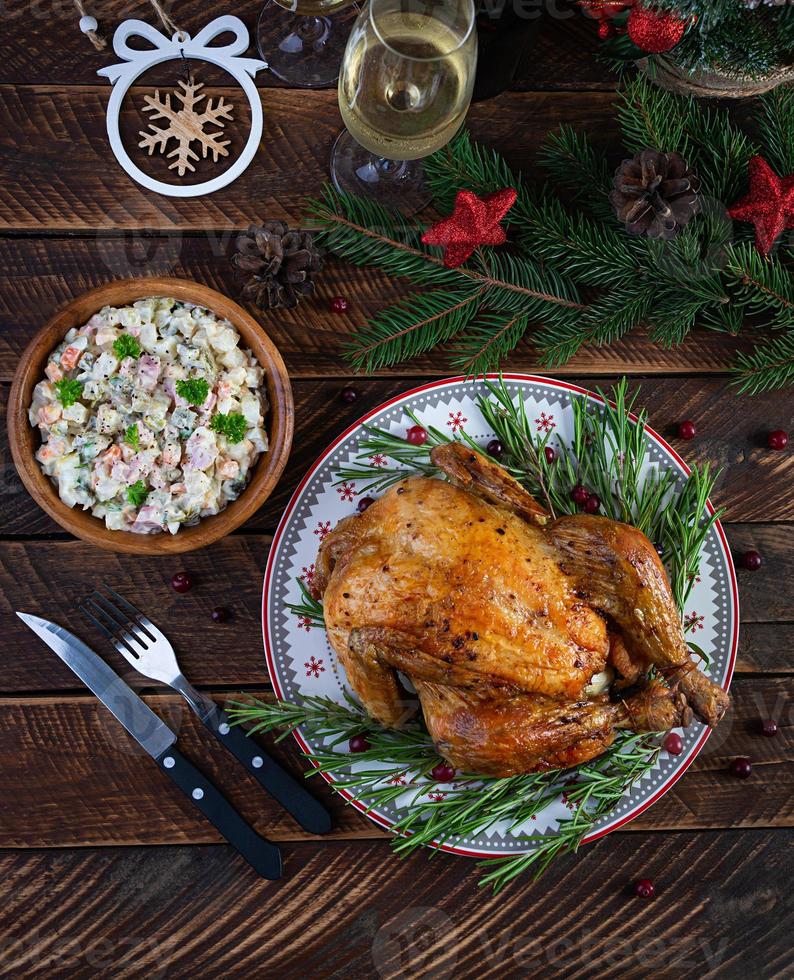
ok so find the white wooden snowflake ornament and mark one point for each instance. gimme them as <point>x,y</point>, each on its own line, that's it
<point>187,124</point>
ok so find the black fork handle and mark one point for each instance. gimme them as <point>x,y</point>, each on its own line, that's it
<point>279,783</point>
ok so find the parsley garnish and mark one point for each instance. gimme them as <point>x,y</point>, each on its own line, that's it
<point>131,436</point>
<point>126,346</point>
<point>193,390</point>
<point>137,493</point>
<point>233,426</point>
<point>68,391</point>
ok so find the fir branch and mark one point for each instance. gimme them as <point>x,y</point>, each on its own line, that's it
<point>650,116</point>
<point>767,367</point>
<point>595,253</point>
<point>776,125</point>
<point>412,326</point>
<point>606,320</point>
<point>490,339</point>
<point>368,234</point>
<point>573,162</point>
<point>465,165</point>
<point>763,285</point>
<point>720,151</point>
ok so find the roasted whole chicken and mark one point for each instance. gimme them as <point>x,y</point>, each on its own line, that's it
<point>528,640</point>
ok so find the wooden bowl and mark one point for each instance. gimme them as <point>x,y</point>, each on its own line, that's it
<point>24,438</point>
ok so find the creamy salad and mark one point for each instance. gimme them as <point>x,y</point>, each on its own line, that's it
<point>151,415</point>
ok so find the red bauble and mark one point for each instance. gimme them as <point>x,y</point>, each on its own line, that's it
<point>654,31</point>
<point>475,221</point>
<point>606,30</point>
<point>604,9</point>
<point>769,205</point>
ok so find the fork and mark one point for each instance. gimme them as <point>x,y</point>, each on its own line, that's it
<point>149,651</point>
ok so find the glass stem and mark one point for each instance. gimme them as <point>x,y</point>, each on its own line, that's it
<point>313,30</point>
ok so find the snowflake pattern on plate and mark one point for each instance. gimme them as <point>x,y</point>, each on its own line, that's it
<point>317,506</point>
<point>314,667</point>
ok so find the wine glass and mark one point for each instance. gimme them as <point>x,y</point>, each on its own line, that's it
<point>302,41</point>
<point>404,89</point>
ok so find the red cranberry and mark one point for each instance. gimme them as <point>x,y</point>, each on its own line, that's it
<point>686,429</point>
<point>416,435</point>
<point>339,304</point>
<point>495,449</point>
<point>220,614</point>
<point>443,772</point>
<point>752,561</point>
<point>644,888</point>
<point>549,453</point>
<point>348,395</point>
<point>769,728</point>
<point>592,503</point>
<point>358,743</point>
<point>740,767</point>
<point>182,582</point>
<point>580,495</point>
<point>365,502</point>
<point>777,439</point>
<point>673,744</point>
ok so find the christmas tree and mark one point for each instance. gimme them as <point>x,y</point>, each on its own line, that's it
<point>736,38</point>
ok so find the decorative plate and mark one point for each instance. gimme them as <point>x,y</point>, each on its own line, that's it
<point>301,662</point>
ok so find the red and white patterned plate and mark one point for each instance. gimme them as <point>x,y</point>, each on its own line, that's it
<point>301,662</point>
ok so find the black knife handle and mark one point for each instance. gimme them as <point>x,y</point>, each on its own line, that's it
<point>281,785</point>
<point>263,856</point>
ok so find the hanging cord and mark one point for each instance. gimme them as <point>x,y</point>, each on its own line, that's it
<point>168,22</point>
<point>89,26</point>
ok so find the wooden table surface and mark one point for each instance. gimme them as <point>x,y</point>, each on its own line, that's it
<point>105,870</point>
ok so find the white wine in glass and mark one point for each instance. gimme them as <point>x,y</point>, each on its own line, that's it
<point>303,41</point>
<point>404,89</point>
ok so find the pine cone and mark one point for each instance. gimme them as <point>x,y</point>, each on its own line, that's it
<point>655,194</point>
<point>276,264</point>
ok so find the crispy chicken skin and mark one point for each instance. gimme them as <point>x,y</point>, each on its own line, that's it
<point>501,617</point>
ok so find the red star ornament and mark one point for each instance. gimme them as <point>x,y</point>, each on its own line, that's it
<point>474,221</point>
<point>769,205</point>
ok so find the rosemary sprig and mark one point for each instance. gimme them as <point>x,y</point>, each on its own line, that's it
<point>607,453</point>
<point>401,765</point>
<point>308,609</point>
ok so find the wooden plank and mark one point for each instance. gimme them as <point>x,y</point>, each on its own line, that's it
<point>355,910</point>
<point>50,577</point>
<point>755,484</point>
<point>41,275</point>
<point>55,138</point>
<point>71,776</point>
<point>562,56</point>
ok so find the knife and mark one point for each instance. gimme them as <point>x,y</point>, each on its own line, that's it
<point>159,741</point>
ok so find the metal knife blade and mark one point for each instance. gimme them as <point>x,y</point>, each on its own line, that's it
<point>139,720</point>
